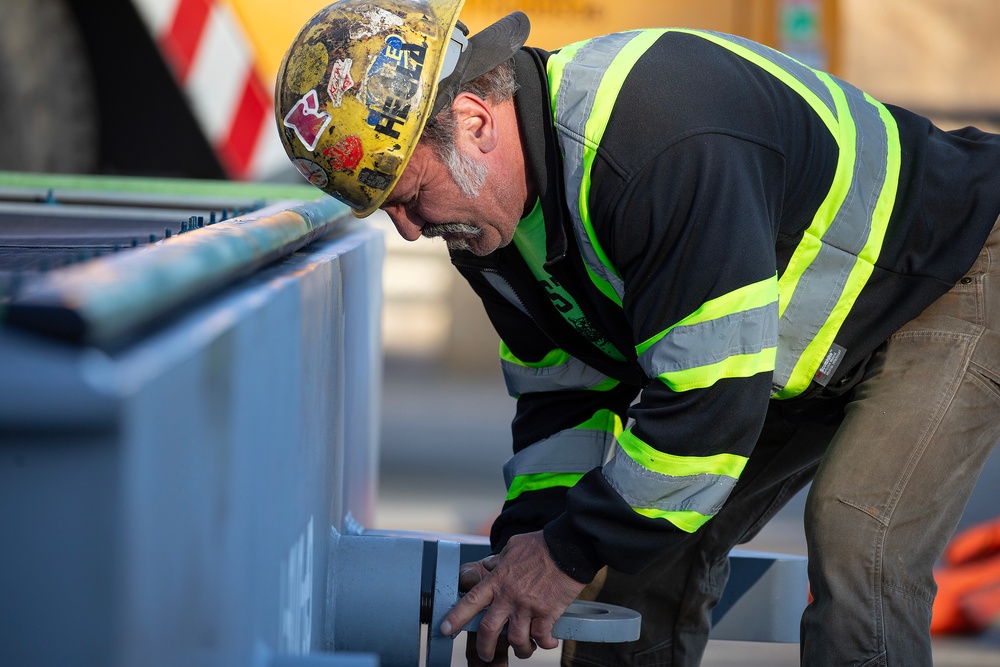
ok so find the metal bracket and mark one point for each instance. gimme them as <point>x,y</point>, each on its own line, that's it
<point>582,621</point>
<point>385,585</point>
<point>377,602</point>
<point>763,599</point>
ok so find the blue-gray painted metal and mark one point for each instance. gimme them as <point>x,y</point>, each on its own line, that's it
<point>105,302</point>
<point>446,574</point>
<point>762,602</point>
<point>763,599</point>
<point>265,658</point>
<point>374,600</point>
<point>586,621</point>
<point>167,503</point>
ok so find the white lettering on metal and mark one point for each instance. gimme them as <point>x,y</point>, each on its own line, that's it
<point>295,596</point>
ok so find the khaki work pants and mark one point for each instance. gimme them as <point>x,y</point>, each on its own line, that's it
<point>893,462</point>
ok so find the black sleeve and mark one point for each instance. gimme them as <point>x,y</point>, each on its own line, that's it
<point>691,228</point>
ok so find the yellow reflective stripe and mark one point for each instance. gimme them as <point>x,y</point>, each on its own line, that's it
<point>553,358</point>
<point>750,296</point>
<point>736,366</point>
<point>603,420</point>
<point>540,481</point>
<point>821,109</point>
<point>810,359</point>
<point>685,520</point>
<point>845,132</point>
<point>607,95</point>
<point>607,385</point>
<point>555,68</point>
<point>606,421</point>
<point>647,456</point>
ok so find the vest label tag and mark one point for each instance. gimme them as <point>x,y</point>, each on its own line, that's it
<point>830,364</point>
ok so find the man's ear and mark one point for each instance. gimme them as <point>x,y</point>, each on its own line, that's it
<point>476,123</point>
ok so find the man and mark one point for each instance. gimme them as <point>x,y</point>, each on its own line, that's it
<point>768,276</point>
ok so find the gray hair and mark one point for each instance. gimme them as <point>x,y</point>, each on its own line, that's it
<point>496,86</point>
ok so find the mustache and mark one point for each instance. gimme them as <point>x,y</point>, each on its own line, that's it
<point>434,231</point>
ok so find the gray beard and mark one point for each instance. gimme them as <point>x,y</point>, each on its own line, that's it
<point>457,243</point>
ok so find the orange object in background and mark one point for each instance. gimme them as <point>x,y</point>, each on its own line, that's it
<point>968,598</point>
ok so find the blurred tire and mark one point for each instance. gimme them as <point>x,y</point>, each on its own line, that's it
<point>48,114</point>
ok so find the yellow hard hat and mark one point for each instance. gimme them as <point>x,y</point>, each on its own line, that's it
<point>360,80</point>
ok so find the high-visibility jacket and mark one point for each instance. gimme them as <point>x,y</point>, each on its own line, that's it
<point>717,226</point>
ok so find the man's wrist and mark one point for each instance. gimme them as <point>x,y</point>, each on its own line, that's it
<point>571,552</point>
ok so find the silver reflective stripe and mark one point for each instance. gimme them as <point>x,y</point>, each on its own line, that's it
<point>645,489</point>
<point>804,75</point>
<point>574,450</point>
<point>574,103</point>
<point>824,280</point>
<point>821,284</point>
<point>506,291</point>
<point>573,374</point>
<point>827,270</point>
<point>690,346</point>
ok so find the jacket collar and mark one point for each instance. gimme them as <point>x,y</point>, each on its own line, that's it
<point>543,156</point>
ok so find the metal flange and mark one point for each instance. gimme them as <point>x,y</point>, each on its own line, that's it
<point>449,560</point>
<point>376,602</point>
<point>582,621</point>
<point>587,621</point>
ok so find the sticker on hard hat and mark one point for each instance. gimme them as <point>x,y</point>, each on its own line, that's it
<point>340,81</point>
<point>345,154</point>
<point>311,171</point>
<point>374,179</point>
<point>393,84</point>
<point>373,21</point>
<point>355,89</point>
<point>307,120</point>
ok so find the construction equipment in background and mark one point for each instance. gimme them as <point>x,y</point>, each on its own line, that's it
<point>183,88</point>
<point>968,579</point>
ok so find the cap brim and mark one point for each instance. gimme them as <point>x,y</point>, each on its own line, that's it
<point>487,49</point>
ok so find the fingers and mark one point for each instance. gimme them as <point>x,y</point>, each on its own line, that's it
<point>470,574</point>
<point>523,590</point>
<point>541,632</point>
<point>478,598</point>
<point>519,636</point>
<point>500,658</point>
<point>489,636</point>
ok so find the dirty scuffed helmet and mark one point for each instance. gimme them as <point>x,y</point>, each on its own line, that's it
<point>360,80</point>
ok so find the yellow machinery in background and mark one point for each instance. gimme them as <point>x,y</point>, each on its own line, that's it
<point>804,28</point>
<point>183,88</point>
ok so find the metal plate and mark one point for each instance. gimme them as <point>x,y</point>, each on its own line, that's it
<point>449,559</point>
<point>589,622</point>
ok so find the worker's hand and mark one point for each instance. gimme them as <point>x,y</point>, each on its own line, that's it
<point>524,590</point>
<point>469,575</point>
<point>500,658</point>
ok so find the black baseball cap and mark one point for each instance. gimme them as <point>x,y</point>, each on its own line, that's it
<point>487,49</point>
